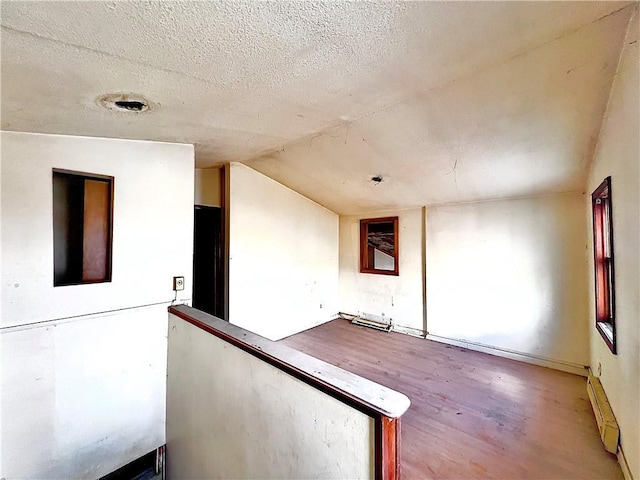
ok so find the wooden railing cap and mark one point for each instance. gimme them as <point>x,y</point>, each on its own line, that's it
<point>364,395</point>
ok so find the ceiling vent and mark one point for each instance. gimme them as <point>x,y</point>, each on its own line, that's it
<point>125,102</point>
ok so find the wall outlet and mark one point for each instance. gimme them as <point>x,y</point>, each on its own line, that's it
<point>178,283</point>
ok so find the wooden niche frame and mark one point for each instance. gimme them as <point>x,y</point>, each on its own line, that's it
<point>386,227</point>
<point>82,227</point>
<point>605,304</point>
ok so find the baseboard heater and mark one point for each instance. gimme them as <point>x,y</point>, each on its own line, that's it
<point>373,321</point>
<point>609,431</point>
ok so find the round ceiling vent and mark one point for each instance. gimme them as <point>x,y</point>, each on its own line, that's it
<point>125,102</point>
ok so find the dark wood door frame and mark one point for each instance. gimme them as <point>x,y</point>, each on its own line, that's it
<point>209,260</point>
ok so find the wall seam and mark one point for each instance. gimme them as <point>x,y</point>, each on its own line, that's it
<point>76,318</point>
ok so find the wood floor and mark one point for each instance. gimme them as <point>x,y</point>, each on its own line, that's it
<point>472,415</point>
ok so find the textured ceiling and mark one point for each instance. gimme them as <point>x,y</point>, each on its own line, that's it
<point>450,101</point>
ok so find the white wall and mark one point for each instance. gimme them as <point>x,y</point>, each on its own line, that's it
<point>82,398</point>
<point>150,227</point>
<point>83,367</point>
<point>511,275</point>
<point>231,415</point>
<point>209,186</point>
<point>283,257</point>
<point>401,297</point>
<point>617,154</point>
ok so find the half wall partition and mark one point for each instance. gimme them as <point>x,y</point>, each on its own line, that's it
<point>242,406</point>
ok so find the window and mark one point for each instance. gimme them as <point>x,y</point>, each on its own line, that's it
<point>379,245</point>
<point>603,262</point>
<point>82,228</point>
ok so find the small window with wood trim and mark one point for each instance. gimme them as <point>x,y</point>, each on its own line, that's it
<point>82,228</point>
<point>379,245</point>
<point>603,262</point>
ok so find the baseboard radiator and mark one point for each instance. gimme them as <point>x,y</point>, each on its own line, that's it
<point>373,321</point>
<point>609,431</point>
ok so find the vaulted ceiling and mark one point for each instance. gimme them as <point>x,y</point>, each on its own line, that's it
<point>447,101</point>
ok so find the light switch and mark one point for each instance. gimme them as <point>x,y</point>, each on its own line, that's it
<point>178,283</point>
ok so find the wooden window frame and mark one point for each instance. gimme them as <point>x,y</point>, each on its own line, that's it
<point>96,250</point>
<point>365,257</point>
<point>603,259</point>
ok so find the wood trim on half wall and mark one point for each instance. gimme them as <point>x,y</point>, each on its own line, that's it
<point>384,405</point>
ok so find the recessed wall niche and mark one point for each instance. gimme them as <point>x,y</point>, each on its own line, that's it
<point>82,227</point>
